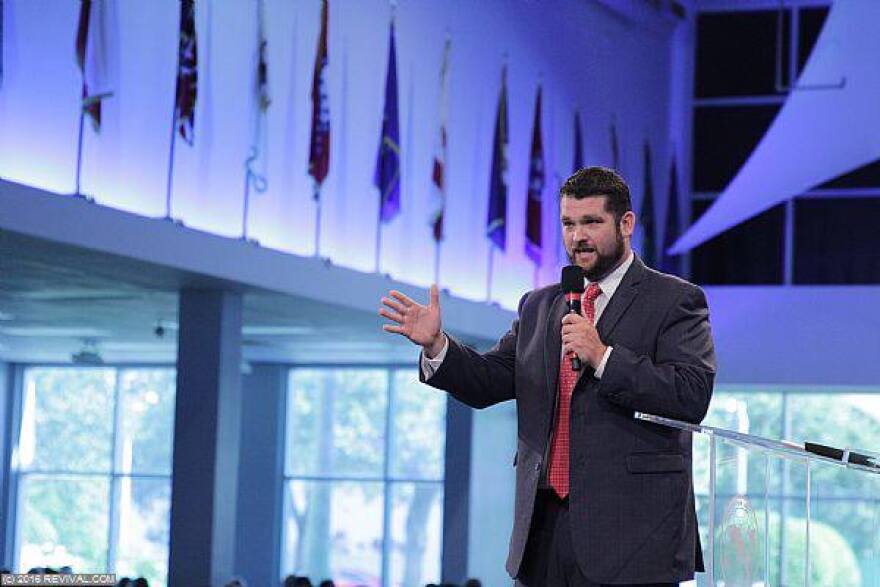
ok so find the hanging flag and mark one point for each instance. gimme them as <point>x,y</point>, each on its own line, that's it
<point>536,189</point>
<point>438,175</point>
<point>387,176</point>
<point>91,57</point>
<point>649,254</point>
<point>615,149</point>
<point>578,143</point>
<point>671,263</point>
<point>256,160</point>
<point>319,149</point>
<point>187,73</point>
<point>496,223</point>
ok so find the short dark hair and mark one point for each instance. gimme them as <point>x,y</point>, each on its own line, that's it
<point>592,182</point>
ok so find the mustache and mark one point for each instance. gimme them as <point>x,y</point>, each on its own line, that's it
<point>583,247</point>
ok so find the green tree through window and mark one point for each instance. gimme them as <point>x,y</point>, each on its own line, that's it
<point>364,476</point>
<point>94,462</point>
<point>845,504</point>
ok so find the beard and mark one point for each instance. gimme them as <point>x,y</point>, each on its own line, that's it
<point>605,262</point>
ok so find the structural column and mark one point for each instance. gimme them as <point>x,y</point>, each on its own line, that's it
<point>456,496</point>
<point>204,486</point>
<point>261,475</point>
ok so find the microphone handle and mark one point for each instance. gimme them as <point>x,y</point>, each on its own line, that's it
<point>574,307</point>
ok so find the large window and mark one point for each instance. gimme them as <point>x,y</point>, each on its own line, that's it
<point>746,63</point>
<point>845,504</point>
<point>363,489</point>
<point>93,468</point>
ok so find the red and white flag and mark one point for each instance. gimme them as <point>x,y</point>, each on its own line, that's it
<point>187,73</point>
<point>438,174</point>
<point>319,145</point>
<point>91,57</point>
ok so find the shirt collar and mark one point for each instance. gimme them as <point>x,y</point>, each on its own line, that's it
<point>610,282</point>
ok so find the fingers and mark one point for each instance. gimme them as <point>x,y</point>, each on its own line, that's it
<point>576,327</point>
<point>391,315</point>
<point>573,319</point>
<point>392,328</point>
<point>404,299</point>
<point>394,305</point>
<point>435,296</point>
<point>568,349</point>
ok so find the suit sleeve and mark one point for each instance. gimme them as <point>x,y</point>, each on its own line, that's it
<point>478,379</point>
<point>678,383</point>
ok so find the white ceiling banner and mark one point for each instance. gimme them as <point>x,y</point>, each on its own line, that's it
<point>822,131</point>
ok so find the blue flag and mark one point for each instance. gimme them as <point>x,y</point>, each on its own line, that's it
<point>534,207</point>
<point>387,177</point>
<point>496,223</point>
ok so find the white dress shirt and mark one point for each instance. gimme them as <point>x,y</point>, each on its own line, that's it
<point>608,285</point>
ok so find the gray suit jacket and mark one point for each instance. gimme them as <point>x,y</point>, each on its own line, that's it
<point>631,498</point>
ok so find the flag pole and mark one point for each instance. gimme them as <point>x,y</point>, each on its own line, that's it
<point>489,273</point>
<point>79,150</point>
<point>247,197</point>
<point>437,264</point>
<point>378,242</point>
<point>170,180</point>
<point>317,190</point>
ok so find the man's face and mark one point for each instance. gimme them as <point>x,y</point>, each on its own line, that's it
<point>592,239</point>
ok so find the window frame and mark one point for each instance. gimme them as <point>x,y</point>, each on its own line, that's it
<point>387,480</point>
<point>14,475</point>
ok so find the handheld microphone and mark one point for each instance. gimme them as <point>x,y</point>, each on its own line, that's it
<point>573,288</point>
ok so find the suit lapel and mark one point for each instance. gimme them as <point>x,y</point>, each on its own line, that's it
<point>624,295</point>
<point>553,343</point>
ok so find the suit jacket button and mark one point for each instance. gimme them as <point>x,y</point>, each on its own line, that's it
<point>537,466</point>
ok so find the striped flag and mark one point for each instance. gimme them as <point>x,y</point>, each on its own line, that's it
<point>187,73</point>
<point>496,222</point>
<point>91,57</point>
<point>536,189</point>
<point>256,160</point>
<point>319,149</point>
<point>387,175</point>
<point>671,263</point>
<point>649,235</point>
<point>438,175</point>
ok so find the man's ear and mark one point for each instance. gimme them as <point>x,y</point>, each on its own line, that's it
<point>628,223</point>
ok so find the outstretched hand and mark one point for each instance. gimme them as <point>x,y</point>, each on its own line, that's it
<point>420,324</point>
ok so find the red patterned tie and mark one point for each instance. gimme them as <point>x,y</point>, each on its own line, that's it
<point>567,379</point>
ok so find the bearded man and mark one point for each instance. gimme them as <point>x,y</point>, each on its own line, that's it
<point>602,498</point>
